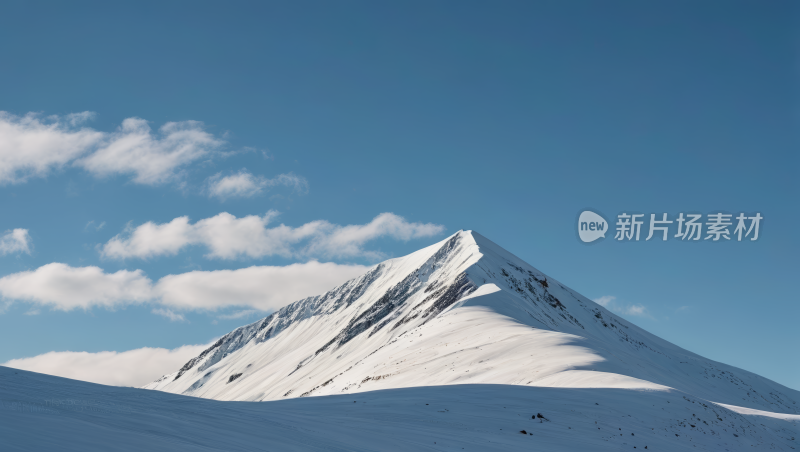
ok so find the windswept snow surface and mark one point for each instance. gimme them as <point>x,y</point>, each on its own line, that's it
<point>42,412</point>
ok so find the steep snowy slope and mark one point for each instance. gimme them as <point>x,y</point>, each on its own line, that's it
<point>41,412</point>
<point>462,311</point>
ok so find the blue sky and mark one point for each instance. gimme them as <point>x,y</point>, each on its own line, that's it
<point>508,119</point>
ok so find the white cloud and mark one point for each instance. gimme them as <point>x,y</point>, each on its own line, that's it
<point>130,368</point>
<point>244,184</point>
<point>228,237</point>
<point>345,241</point>
<point>16,241</point>
<point>151,239</point>
<point>605,300</point>
<point>168,313</point>
<point>260,287</point>
<point>610,302</point>
<point>152,160</point>
<point>637,310</point>
<point>94,225</point>
<point>31,146</point>
<point>65,288</point>
<point>238,314</point>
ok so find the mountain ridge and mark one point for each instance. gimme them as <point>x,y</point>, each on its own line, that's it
<point>461,291</point>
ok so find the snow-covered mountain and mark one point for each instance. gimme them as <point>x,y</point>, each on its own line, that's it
<point>460,346</point>
<point>462,311</point>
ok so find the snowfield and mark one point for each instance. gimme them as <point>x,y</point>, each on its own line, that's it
<point>459,346</point>
<point>41,412</point>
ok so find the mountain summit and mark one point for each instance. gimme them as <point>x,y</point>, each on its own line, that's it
<point>462,311</point>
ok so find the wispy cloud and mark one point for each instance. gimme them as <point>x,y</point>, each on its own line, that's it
<point>16,241</point>
<point>151,159</point>
<point>238,314</point>
<point>91,225</point>
<point>610,302</point>
<point>34,146</point>
<point>605,300</point>
<point>130,368</point>
<point>245,185</point>
<point>168,313</point>
<point>637,310</point>
<point>228,237</point>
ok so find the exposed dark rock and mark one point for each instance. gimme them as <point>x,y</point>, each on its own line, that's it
<point>379,313</point>
<point>276,322</point>
<point>461,287</point>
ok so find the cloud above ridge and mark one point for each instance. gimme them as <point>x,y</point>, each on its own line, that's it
<point>264,288</point>
<point>261,287</point>
<point>228,237</point>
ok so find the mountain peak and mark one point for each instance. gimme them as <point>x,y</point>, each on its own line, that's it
<point>463,310</point>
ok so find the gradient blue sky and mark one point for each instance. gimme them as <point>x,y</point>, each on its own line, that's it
<point>508,118</point>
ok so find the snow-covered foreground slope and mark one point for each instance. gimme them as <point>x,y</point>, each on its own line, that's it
<point>462,311</point>
<point>42,412</point>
